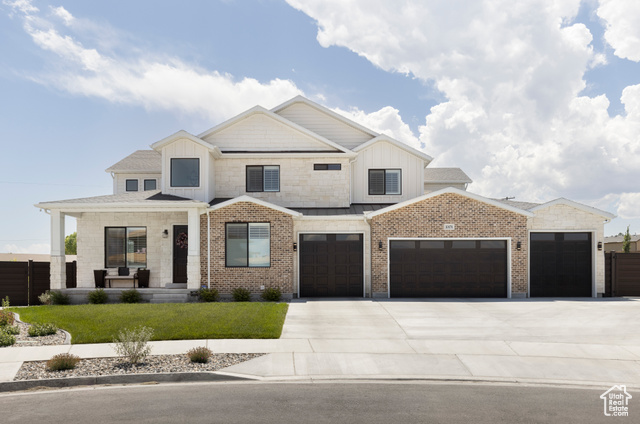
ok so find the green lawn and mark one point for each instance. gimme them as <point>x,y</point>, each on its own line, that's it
<point>170,321</point>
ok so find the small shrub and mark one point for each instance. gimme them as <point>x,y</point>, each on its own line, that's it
<point>241,295</point>
<point>130,296</point>
<point>39,330</point>
<point>6,339</point>
<point>4,302</point>
<point>200,354</point>
<point>11,329</point>
<point>6,318</point>
<point>62,361</point>
<point>59,298</point>
<point>45,298</point>
<point>208,295</point>
<point>271,294</point>
<point>97,297</point>
<point>133,344</point>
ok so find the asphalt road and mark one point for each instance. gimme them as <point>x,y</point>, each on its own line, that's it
<point>345,402</point>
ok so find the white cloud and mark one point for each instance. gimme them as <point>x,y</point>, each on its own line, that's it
<point>512,73</point>
<point>622,29</point>
<point>629,206</point>
<point>167,83</point>
<point>33,248</point>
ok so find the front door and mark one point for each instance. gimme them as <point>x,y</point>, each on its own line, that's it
<point>180,249</point>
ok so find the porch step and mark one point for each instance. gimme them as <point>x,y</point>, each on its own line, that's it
<point>168,298</point>
<point>175,286</point>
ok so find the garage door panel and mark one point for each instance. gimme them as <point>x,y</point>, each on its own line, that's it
<point>446,268</point>
<point>337,269</point>
<point>561,264</point>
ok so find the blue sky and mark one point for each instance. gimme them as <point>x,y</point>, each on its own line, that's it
<point>537,101</point>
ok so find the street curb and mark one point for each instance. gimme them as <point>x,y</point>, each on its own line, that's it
<point>179,377</point>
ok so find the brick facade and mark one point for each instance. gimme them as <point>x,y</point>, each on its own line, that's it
<point>279,274</point>
<point>472,219</point>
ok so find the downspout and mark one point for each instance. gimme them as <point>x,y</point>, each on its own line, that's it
<point>208,249</point>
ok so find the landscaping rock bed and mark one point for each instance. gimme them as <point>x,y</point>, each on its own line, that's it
<point>117,366</point>
<point>23,339</point>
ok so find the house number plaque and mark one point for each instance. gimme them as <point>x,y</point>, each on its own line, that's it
<point>449,227</point>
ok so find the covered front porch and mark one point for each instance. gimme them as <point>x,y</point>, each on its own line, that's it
<point>137,231</point>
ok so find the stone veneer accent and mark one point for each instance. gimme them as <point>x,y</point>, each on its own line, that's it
<point>472,218</point>
<point>279,274</point>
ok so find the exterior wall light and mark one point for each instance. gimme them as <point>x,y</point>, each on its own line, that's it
<point>165,234</point>
<point>380,245</point>
<point>599,245</point>
<point>519,246</point>
<point>295,246</point>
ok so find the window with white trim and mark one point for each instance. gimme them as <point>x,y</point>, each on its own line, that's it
<point>150,185</point>
<point>385,181</point>
<point>248,244</point>
<point>263,178</point>
<point>131,185</point>
<point>185,172</point>
<point>125,246</point>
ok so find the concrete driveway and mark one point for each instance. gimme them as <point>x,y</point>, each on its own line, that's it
<point>592,321</point>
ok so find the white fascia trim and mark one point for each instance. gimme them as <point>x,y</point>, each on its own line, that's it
<point>444,191</point>
<point>245,198</point>
<point>120,208</point>
<point>571,203</point>
<point>396,143</point>
<point>132,171</point>
<point>273,155</point>
<point>320,108</point>
<point>158,145</point>
<point>260,110</point>
<point>329,218</point>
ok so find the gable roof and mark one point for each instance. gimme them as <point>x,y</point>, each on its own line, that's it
<point>158,145</point>
<point>259,109</point>
<point>140,161</point>
<point>620,239</point>
<point>326,111</point>
<point>245,198</point>
<point>451,190</point>
<point>445,175</point>
<point>571,203</point>
<point>401,145</point>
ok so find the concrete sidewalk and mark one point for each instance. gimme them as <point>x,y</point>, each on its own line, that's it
<point>303,359</point>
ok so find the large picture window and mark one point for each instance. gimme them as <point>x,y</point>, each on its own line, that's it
<point>263,178</point>
<point>248,245</point>
<point>125,246</point>
<point>385,181</point>
<point>185,172</point>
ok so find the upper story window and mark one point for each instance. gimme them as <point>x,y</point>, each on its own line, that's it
<point>263,178</point>
<point>131,185</point>
<point>385,181</point>
<point>327,167</point>
<point>125,246</point>
<point>185,172</point>
<point>149,185</point>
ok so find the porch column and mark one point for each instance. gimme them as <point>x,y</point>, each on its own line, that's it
<point>193,253</point>
<point>58,272</point>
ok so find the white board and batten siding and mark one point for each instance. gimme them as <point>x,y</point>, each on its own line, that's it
<point>259,132</point>
<point>383,155</point>
<point>325,125</point>
<point>188,149</point>
<point>119,181</point>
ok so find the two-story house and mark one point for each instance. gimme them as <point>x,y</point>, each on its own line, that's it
<point>301,198</point>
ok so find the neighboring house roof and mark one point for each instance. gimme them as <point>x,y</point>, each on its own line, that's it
<point>445,175</point>
<point>140,161</point>
<point>227,202</point>
<point>571,203</point>
<point>453,191</point>
<point>396,143</point>
<point>152,198</point>
<point>620,239</point>
<point>326,111</point>
<point>276,117</point>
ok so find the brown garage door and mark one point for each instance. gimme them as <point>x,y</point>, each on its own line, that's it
<point>448,268</point>
<point>560,265</point>
<point>331,265</point>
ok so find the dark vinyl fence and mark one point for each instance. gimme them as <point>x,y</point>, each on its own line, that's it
<point>622,274</point>
<point>23,282</point>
